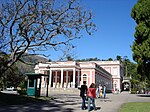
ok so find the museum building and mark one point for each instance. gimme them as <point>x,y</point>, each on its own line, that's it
<point>71,74</point>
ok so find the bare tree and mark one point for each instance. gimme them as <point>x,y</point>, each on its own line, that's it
<point>39,25</point>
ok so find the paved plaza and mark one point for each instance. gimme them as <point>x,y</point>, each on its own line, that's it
<point>71,102</point>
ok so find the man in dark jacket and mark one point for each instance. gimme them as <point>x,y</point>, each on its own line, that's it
<point>83,92</point>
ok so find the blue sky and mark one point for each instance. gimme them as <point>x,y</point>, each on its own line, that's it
<point>115,30</point>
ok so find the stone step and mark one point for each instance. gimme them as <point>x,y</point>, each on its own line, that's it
<point>62,90</point>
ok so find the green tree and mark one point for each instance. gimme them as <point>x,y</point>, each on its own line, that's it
<point>40,25</point>
<point>109,59</point>
<point>119,58</point>
<point>15,74</point>
<point>69,58</point>
<point>12,77</point>
<point>141,46</point>
<point>88,59</point>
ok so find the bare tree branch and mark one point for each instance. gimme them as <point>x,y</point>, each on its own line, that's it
<point>38,25</point>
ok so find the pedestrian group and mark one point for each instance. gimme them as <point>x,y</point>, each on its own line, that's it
<point>90,94</point>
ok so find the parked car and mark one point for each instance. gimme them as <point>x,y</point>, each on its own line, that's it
<point>10,88</point>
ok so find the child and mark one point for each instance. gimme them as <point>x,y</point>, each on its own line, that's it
<point>101,93</point>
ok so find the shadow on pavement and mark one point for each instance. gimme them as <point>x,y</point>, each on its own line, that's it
<point>98,108</point>
<point>38,107</point>
<point>143,95</point>
<point>61,103</point>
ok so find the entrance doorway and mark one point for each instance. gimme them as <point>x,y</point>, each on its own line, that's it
<point>125,86</point>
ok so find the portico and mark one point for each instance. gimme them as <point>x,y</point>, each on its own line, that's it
<point>61,75</point>
<point>64,78</point>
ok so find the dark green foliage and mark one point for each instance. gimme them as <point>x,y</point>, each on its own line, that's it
<point>88,59</point>
<point>15,74</point>
<point>110,59</point>
<point>118,57</point>
<point>22,92</point>
<point>141,46</point>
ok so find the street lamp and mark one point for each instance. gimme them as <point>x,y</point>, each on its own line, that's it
<point>126,69</point>
<point>47,81</point>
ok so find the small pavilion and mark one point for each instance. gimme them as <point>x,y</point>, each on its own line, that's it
<point>34,83</point>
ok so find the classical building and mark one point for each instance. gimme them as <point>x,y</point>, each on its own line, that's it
<point>71,74</point>
<point>115,68</point>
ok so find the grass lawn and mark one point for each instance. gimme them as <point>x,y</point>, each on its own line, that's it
<point>136,107</point>
<point>12,99</point>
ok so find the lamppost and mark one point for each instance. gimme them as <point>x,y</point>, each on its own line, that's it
<point>47,80</point>
<point>125,59</point>
<point>126,69</point>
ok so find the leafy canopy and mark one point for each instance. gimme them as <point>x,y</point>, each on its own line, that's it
<point>141,46</point>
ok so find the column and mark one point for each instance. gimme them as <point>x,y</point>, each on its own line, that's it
<point>81,79</point>
<point>74,78</point>
<point>55,79</point>
<point>66,79</point>
<point>91,78</point>
<point>50,78</point>
<point>61,85</point>
<point>78,78</point>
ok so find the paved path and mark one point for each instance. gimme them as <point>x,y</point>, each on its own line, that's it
<point>71,102</point>
<point>111,104</point>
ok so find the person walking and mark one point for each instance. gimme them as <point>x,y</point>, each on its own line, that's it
<point>97,92</point>
<point>104,91</point>
<point>91,93</point>
<point>83,94</point>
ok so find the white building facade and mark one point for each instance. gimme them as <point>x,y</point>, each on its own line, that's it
<point>71,74</point>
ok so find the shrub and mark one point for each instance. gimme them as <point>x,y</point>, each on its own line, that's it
<point>22,92</point>
<point>134,91</point>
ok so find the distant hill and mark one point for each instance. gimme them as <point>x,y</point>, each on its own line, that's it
<point>34,59</point>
